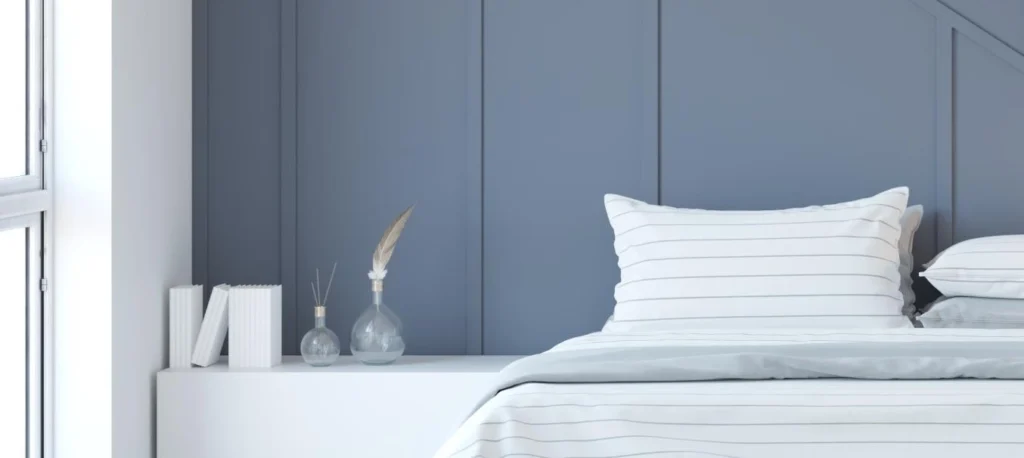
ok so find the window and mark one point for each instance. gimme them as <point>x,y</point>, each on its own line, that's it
<point>24,210</point>
<point>13,44</point>
<point>20,384</point>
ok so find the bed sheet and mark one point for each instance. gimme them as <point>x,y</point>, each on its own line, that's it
<point>819,417</point>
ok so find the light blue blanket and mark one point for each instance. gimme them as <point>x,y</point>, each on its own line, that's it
<point>810,360</point>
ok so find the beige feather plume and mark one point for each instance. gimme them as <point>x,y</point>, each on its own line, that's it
<point>386,247</point>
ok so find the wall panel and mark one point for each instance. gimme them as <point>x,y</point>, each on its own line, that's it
<point>506,121</point>
<point>243,212</point>
<point>570,110</point>
<point>1004,19</point>
<point>795,102</point>
<point>989,143</point>
<point>383,122</point>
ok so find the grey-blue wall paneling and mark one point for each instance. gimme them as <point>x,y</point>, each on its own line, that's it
<point>316,122</point>
<point>1004,19</point>
<point>200,147</point>
<point>474,179</point>
<point>570,113</point>
<point>384,122</point>
<point>291,334</point>
<point>794,102</point>
<point>244,236</point>
<point>989,141</point>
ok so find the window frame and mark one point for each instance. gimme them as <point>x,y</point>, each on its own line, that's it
<point>35,108</point>
<point>27,202</point>
<point>32,225</point>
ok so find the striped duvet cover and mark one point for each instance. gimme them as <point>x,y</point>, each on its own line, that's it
<point>759,394</point>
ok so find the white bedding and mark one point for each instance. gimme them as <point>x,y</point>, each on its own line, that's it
<point>832,266</point>
<point>755,418</point>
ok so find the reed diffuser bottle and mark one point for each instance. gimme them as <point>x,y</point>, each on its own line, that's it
<point>377,334</point>
<point>320,346</point>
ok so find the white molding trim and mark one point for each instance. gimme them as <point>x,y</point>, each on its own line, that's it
<point>25,203</point>
<point>36,83</point>
<point>37,338</point>
<point>23,183</point>
<point>47,442</point>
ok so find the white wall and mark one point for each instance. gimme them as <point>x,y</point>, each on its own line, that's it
<point>122,209</point>
<point>82,255</point>
<point>152,202</point>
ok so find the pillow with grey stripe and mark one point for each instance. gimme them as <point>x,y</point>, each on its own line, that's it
<point>909,223</point>
<point>983,267</point>
<point>833,266</point>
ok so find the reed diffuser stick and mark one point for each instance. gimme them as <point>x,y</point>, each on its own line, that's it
<point>329,283</point>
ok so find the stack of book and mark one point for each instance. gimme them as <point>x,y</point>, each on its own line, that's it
<point>215,327</point>
<point>186,314</point>
<point>254,317</point>
<point>253,312</point>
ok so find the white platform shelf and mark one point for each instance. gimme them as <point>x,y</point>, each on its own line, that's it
<point>406,409</point>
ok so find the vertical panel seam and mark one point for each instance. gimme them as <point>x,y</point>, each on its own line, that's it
<point>474,126</point>
<point>295,195</point>
<point>659,145</point>
<point>288,150</point>
<point>950,123</point>
<point>944,131</point>
<point>206,103</point>
<point>483,81</point>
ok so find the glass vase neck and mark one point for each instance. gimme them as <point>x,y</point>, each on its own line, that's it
<point>378,298</point>
<point>320,316</point>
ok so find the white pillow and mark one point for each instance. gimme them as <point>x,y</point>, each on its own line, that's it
<point>909,224</point>
<point>835,266</point>
<point>908,229</point>
<point>982,267</point>
<point>974,312</point>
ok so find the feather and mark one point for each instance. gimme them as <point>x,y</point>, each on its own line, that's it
<point>386,247</point>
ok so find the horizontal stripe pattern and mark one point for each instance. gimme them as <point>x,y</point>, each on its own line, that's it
<point>747,337</point>
<point>679,265</point>
<point>763,419</point>
<point>991,267</point>
<point>909,224</point>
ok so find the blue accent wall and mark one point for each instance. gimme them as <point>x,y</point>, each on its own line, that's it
<point>505,121</point>
<point>571,114</point>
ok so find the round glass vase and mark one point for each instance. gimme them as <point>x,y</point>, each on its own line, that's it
<point>377,334</point>
<point>320,346</point>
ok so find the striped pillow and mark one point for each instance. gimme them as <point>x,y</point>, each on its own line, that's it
<point>983,267</point>
<point>909,223</point>
<point>835,266</point>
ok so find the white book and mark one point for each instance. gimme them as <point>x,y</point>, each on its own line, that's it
<point>186,316</point>
<point>214,328</point>
<point>255,322</point>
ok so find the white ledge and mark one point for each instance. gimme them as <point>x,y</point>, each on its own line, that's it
<point>406,409</point>
<point>348,364</point>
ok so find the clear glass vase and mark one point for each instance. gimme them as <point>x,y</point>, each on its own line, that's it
<point>377,334</point>
<point>320,346</point>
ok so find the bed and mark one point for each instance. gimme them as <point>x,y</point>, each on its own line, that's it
<point>770,334</point>
<point>745,394</point>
